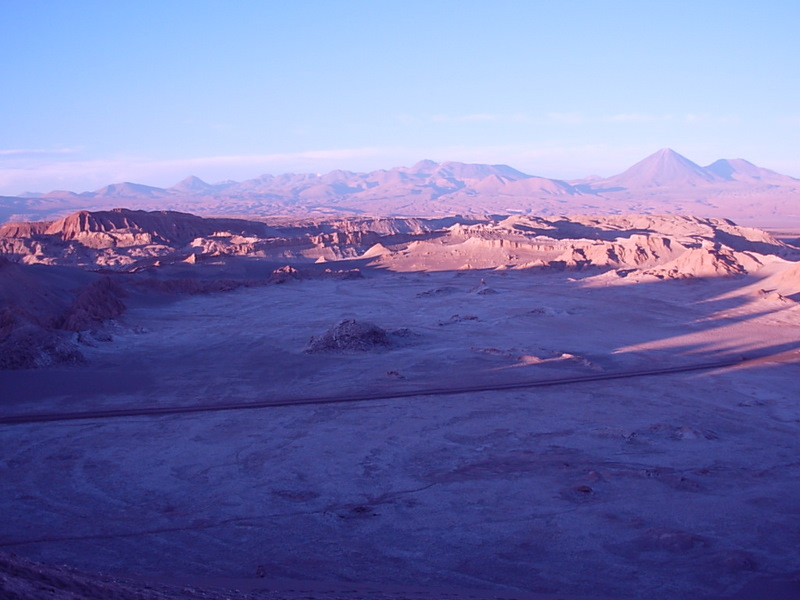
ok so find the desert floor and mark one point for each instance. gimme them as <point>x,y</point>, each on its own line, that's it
<point>670,486</point>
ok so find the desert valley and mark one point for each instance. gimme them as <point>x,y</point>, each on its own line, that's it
<point>443,381</point>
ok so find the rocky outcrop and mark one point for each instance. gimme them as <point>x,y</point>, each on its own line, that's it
<point>24,230</point>
<point>41,308</point>
<point>125,240</point>
<point>26,344</point>
<point>707,261</point>
<point>284,274</point>
<point>350,335</point>
<point>97,302</point>
<point>126,227</point>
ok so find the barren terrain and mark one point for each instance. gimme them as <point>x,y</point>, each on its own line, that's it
<point>608,483</point>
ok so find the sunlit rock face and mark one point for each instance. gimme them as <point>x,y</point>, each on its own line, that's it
<point>125,240</point>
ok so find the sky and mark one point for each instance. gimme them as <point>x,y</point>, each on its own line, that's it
<point>98,92</point>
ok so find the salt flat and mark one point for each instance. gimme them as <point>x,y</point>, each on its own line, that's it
<point>680,485</point>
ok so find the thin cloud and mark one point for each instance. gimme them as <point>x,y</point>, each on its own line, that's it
<point>637,118</point>
<point>545,159</point>
<point>83,175</point>
<point>407,119</point>
<point>567,118</point>
<point>442,118</point>
<point>23,152</point>
<point>576,118</point>
<point>268,159</point>
<point>711,119</point>
<point>483,117</point>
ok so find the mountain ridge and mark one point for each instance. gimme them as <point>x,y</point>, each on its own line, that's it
<point>665,161</point>
<point>664,182</point>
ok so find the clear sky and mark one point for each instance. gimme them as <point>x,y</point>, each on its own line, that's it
<point>96,92</point>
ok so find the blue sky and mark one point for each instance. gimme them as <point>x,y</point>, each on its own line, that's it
<point>153,91</point>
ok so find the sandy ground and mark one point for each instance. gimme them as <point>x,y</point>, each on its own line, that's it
<point>664,487</point>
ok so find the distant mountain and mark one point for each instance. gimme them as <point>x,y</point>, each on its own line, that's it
<point>477,172</point>
<point>738,169</point>
<point>191,185</point>
<point>664,182</point>
<point>129,190</point>
<point>61,194</point>
<point>668,169</point>
<point>669,183</point>
<point>665,168</point>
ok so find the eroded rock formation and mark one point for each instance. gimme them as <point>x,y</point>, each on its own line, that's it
<point>124,240</point>
<point>352,335</point>
<point>176,253</point>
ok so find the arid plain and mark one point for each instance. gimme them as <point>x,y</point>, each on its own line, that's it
<point>498,406</point>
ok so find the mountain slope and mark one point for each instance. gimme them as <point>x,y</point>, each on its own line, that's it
<point>191,185</point>
<point>130,190</point>
<point>665,168</point>
<point>738,169</point>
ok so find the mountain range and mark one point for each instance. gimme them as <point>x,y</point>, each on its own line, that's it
<point>663,183</point>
